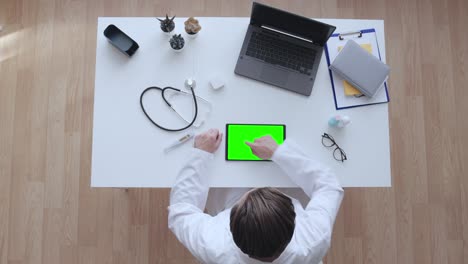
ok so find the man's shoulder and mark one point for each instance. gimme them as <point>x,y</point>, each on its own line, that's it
<point>310,239</point>
<point>218,242</point>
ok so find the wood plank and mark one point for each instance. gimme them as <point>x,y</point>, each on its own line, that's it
<point>421,234</point>
<point>379,230</point>
<point>8,79</point>
<point>353,250</point>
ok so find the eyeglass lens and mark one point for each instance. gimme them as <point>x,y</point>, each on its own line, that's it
<point>327,140</point>
<point>339,154</point>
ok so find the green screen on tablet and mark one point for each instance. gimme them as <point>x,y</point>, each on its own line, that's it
<point>237,134</point>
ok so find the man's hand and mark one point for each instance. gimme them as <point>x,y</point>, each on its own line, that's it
<point>209,141</point>
<point>263,147</point>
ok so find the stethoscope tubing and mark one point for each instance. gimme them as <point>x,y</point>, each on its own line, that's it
<point>163,90</point>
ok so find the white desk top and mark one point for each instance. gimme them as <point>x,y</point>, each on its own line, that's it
<point>128,150</point>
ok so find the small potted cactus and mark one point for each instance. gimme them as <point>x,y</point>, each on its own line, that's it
<point>177,43</point>
<point>167,24</point>
<point>192,27</point>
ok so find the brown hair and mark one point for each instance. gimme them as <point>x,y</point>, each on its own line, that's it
<point>262,222</point>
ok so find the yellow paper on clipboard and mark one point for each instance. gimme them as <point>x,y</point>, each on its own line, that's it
<point>350,90</point>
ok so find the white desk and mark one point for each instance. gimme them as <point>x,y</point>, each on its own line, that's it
<point>127,149</point>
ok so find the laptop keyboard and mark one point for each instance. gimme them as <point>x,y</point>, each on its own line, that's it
<point>274,50</point>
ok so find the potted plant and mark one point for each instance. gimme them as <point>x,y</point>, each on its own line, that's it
<point>192,27</point>
<point>167,25</point>
<point>177,43</point>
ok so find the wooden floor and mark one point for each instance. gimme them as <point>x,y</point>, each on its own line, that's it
<point>49,214</point>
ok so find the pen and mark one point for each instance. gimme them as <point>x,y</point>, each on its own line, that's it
<point>178,142</point>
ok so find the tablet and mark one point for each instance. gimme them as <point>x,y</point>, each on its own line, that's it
<point>237,134</point>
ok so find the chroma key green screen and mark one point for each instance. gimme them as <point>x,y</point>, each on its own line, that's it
<point>238,134</point>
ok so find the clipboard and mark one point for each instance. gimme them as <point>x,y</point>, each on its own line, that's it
<point>365,38</point>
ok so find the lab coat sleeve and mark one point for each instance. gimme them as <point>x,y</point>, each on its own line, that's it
<point>323,188</point>
<point>187,202</point>
<point>191,186</point>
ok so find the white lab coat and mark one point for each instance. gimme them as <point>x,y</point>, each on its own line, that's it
<point>209,238</point>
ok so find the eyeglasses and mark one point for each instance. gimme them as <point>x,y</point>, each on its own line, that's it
<point>329,142</point>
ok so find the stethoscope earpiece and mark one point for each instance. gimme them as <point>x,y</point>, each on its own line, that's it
<point>190,83</point>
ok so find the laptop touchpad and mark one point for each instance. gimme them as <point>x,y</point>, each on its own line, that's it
<point>274,75</point>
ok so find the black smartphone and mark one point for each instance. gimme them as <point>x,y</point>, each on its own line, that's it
<point>120,40</point>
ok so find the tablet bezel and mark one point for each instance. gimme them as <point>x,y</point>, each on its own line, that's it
<point>227,136</point>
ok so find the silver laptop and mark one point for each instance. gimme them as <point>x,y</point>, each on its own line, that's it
<point>282,49</point>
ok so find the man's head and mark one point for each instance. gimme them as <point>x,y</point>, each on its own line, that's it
<point>262,223</point>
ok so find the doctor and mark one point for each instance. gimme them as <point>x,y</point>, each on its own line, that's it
<point>264,225</point>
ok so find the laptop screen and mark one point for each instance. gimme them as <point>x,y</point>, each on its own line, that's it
<point>307,28</point>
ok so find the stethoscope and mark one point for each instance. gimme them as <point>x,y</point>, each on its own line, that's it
<point>190,84</point>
